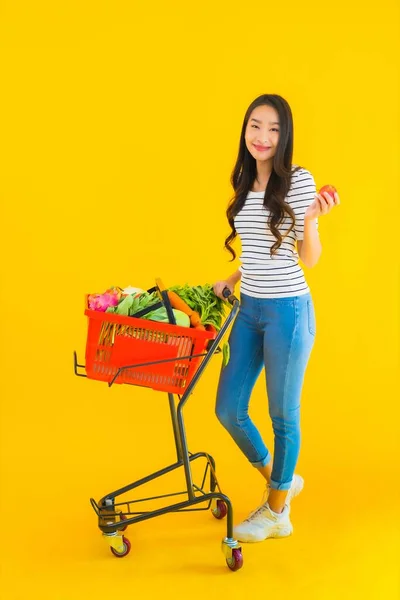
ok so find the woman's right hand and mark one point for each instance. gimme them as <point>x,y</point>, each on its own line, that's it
<point>219,286</point>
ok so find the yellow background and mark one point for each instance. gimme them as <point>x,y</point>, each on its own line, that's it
<point>121,125</point>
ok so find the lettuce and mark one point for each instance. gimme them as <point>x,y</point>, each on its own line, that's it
<point>161,315</point>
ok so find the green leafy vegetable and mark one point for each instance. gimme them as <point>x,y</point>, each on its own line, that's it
<point>202,299</point>
<point>131,304</point>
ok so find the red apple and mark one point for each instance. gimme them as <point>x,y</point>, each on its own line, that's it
<point>330,189</point>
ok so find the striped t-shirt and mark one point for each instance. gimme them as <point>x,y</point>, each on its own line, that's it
<point>279,276</point>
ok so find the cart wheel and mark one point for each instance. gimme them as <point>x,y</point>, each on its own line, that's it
<point>236,562</point>
<point>125,551</point>
<point>123,518</point>
<point>221,510</point>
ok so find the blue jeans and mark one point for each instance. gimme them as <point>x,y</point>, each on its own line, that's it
<point>277,333</point>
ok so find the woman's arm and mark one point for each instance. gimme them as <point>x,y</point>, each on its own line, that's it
<point>219,286</point>
<point>234,278</point>
<point>309,248</point>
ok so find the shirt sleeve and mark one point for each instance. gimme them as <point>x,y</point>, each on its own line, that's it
<point>301,196</point>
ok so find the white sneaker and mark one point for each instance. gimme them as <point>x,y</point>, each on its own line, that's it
<point>295,488</point>
<point>263,523</point>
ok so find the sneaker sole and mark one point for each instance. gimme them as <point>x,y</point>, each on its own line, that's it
<point>279,533</point>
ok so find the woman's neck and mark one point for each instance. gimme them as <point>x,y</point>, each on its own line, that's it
<point>264,170</point>
<point>260,183</point>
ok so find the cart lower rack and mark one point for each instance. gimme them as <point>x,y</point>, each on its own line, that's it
<point>167,358</point>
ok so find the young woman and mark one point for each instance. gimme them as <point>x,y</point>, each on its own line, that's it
<point>274,209</point>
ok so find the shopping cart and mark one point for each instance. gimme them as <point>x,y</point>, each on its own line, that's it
<point>164,357</point>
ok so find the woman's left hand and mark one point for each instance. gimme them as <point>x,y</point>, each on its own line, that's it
<point>322,205</point>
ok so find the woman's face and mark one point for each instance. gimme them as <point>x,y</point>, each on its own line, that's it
<point>262,133</point>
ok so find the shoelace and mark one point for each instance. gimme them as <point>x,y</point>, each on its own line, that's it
<point>261,507</point>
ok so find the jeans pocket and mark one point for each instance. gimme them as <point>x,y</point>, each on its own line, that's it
<point>312,328</point>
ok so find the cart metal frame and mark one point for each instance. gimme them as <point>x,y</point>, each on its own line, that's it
<point>115,517</point>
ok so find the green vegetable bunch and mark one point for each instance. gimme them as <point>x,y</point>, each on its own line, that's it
<point>131,304</point>
<point>202,299</point>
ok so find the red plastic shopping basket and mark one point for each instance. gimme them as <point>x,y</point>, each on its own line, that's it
<point>115,341</point>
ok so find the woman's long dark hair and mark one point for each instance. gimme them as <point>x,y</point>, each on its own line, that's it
<point>245,172</point>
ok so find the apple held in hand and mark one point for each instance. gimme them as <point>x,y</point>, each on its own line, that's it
<point>329,189</point>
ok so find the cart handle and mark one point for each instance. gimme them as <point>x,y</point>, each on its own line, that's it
<point>226,292</point>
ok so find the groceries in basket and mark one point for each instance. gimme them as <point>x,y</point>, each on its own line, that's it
<point>192,306</point>
<point>153,338</point>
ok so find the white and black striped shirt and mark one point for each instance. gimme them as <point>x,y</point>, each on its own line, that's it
<point>279,276</point>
